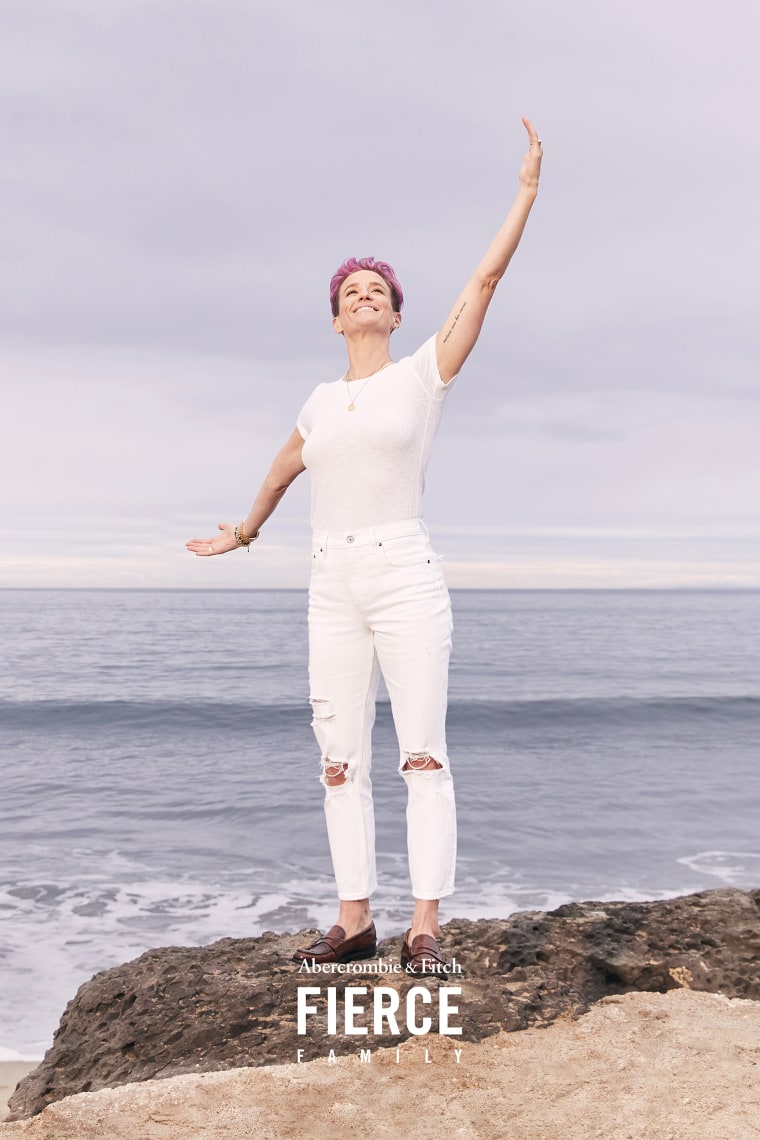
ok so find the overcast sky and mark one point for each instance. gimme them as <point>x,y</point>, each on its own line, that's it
<point>180,178</point>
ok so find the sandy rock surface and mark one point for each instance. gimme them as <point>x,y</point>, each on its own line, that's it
<point>674,1066</point>
<point>186,1010</point>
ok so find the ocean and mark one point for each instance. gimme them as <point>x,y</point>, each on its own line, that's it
<point>159,780</point>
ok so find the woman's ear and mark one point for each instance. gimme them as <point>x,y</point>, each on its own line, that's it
<point>336,325</point>
<point>396,321</point>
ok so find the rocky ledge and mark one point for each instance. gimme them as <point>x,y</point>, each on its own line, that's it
<point>234,1003</point>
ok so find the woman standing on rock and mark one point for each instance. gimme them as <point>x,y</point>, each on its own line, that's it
<point>378,600</point>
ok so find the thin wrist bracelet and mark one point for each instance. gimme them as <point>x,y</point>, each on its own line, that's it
<point>242,539</point>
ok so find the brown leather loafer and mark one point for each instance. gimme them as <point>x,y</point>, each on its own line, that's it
<point>423,957</point>
<point>335,947</point>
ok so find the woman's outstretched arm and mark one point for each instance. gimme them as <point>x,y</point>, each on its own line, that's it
<point>459,333</point>
<point>287,466</point>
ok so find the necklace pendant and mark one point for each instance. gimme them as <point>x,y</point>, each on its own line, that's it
<point>352,406</point>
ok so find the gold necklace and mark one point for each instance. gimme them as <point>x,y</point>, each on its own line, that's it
<point>353,399</point>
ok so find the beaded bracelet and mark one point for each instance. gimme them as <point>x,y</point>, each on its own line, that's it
<point>242,539</point>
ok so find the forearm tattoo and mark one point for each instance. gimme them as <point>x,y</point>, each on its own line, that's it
<point>456,318</point>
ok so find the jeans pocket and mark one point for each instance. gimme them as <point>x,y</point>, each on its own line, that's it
<point>407,550</point>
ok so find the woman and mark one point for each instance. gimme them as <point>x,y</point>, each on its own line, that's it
<point>377,599</point>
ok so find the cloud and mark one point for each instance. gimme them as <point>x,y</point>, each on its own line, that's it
<point>180,179</point>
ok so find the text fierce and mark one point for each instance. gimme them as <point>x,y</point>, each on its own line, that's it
<point>385,1005</point>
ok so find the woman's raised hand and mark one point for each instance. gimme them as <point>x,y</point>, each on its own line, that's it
<point>219,544</point>
<point>531,166</point>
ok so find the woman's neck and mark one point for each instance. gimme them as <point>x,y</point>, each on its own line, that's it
<point>366,354</point>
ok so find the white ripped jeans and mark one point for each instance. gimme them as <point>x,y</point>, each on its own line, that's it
<point>378,602</point>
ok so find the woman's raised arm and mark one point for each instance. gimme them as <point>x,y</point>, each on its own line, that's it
<point>287,465</point>
<point>461,330</point>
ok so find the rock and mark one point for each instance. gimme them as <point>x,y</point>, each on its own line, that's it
<point>234,1003</point>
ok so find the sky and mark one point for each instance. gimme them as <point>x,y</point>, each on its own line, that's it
<point>180,178</point>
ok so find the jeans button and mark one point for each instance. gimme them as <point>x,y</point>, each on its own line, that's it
<point>349,538</point>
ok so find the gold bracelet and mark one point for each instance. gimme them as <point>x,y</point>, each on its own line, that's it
<point>242,539</point>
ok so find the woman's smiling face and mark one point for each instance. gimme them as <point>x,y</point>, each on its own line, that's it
<point>365,300</point>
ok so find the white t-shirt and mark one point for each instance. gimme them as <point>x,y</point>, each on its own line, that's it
<point>368,466</point>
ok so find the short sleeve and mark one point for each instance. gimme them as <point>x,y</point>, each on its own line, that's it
<point>303,423</point>
<point>425,365</point>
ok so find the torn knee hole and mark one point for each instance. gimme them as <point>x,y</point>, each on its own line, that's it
<point>334,773</point>
<point>420,762</point>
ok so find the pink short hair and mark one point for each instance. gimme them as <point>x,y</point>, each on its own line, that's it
<point>353,265</point>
